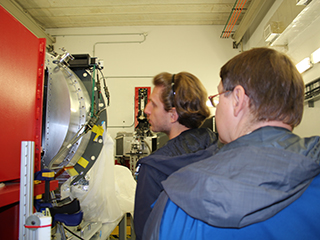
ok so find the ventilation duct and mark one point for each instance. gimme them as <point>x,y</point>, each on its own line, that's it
<point>281,19</point>
<point>272,31</point>
<point>252,18</point>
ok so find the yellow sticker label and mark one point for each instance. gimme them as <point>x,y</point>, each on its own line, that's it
<point>72,172</point>
<point>48,174</point>
<point>98,130</point>
<point>83,162</point>
<point>39,196</point>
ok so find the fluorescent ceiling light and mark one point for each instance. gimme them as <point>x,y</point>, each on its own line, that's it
<point>304,65</point>
<point>315,56</point>
<point>303,2</point>
<point>272,37</point>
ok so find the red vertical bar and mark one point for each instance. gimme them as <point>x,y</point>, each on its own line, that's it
<point>39,103</point>
<point>136,103</point>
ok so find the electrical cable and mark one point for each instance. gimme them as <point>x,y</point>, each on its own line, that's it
<point>106,90</point>
<point>88,126</point>
<point>92,92</point>
<point>98,86</point>
<point>75,138</point>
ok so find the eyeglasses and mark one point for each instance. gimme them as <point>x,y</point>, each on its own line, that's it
<point>214,99</point>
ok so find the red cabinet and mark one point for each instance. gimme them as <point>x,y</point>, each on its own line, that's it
<point>21,94</point>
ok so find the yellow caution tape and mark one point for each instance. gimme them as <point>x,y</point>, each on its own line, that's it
<point>98,130</point>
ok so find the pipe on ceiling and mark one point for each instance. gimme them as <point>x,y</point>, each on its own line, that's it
<point>144,35</point>
<point>233,17</point>
<point>254,9</point>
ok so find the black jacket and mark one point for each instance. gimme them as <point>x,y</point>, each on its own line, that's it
<point>155,168</point>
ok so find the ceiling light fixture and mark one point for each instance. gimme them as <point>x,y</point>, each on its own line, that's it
<point>303,2</point>
<point>315,56</point>
<point>304,65</point>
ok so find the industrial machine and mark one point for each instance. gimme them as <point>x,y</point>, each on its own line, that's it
<point>74,112</point>
<point>73,121</point>
<point>74,118</point>
<point>54,106</point>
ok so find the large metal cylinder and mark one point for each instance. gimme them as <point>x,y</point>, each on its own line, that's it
<point>66,110</point>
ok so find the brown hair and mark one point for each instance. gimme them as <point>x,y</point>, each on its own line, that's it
<point>271,81</point>
<point>186,93</point>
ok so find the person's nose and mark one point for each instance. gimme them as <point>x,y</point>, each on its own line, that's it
<point>147,109</point>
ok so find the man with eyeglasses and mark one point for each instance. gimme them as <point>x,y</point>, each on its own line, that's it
<point>176,107</point>
<point>264,183</point>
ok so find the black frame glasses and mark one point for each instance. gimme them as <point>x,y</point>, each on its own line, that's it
<point>214,99</point>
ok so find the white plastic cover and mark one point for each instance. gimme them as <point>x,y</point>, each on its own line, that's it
<point>111,189</point>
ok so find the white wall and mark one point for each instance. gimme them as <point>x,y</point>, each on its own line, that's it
<point>196,49</point>
<point>300,45</point>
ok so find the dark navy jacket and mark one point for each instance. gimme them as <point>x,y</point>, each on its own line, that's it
<point>180,151</point>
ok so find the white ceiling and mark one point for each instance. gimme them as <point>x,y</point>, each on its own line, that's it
<point>97,13</point>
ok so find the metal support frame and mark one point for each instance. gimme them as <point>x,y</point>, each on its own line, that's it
<point>123,228</point>
<point>26,188</point>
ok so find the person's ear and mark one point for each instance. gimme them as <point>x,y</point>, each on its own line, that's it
<point>239,99</point>
<point>174,115</point>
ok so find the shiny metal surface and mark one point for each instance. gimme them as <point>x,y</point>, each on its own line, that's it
<point>67,110</point>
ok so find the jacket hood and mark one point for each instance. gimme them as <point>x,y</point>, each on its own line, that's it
<point>248,180</point>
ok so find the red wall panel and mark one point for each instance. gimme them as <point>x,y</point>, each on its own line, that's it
<point>19,87</point>
<point>21,94</point>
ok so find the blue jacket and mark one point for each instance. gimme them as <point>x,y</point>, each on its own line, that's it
<point>180,151</point>
<point>260,186</point>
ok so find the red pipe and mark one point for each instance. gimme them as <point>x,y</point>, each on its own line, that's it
<point>230,19</point>
<point>239,12</point>
<point>235,15</point>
